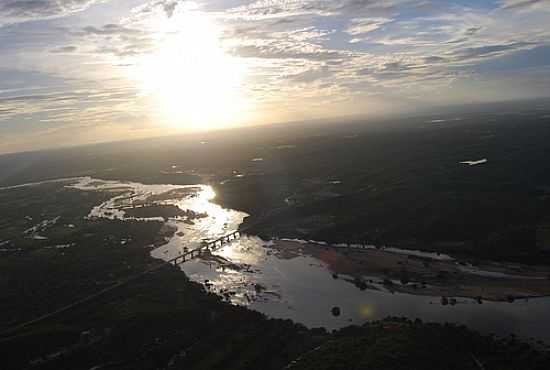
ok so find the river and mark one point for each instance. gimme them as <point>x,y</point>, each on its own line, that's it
<point>253,273</point>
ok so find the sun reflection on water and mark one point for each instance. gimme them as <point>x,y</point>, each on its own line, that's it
<point>218,219</point>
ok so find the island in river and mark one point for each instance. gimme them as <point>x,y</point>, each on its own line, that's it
<point>407,272</point>
<point>381,185</point>
<point>164,320</point>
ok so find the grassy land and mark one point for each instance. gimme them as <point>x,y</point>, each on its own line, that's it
<point>164,211</point>
<point>162,320</point>
<point>402,344</point>
<point>394,182</point>
<point>147,323</point>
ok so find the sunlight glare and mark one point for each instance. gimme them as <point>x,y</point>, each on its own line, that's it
<point>192,82</point>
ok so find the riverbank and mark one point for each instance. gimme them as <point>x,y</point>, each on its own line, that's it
<point>162,320</point>
<point>157,321</point>
<point>407,272</point>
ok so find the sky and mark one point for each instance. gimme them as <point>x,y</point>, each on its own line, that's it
<point>83,71</point>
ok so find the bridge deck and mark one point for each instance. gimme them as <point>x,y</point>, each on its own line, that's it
<point>206,246</point>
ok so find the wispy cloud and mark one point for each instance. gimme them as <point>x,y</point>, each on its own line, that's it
<point>81,67</point>
<point>13,11</point>
<point>64,49</point>
<point>523,4</point>
<point>361,26</point>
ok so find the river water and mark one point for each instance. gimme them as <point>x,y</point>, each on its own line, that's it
<point>251,272</point>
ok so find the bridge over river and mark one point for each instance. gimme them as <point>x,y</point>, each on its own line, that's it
<point>186,256</point>
<point>205,247</point>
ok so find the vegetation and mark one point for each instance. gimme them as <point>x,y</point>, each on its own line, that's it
<point>159,319</point>
<point>399,183</point>
<point>403,344</point>
<point>162,320</point>
<point>379,184</point>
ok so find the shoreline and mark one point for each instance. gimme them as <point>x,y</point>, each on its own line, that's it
<point>416,275</point>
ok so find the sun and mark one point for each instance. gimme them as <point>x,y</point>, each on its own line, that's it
<point>190,79</point>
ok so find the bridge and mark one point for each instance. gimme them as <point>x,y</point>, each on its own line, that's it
<point>220,242</point>
<point>9,333</point>
<point>205,247</point>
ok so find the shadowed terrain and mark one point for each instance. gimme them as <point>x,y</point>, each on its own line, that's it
<point>385,183</point>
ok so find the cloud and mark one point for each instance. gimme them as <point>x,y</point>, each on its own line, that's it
<point>434,59</point>
<point>15,11</point>
<point>281,51</point>
<point>296,54</point>
<point>167,6</point>
<point>310,75</point>
<point>29,104</point>
<point>398,67</point>
<point>285,8</point>
<point>361,26</point>
<point>87,105</point>
<point>487,51</point>
<point>410,45</point>
<point>109,29</point>
<point>472,30</point>
<point>524,4</point>
<point>258,40</point>
<point>64,49</point>
<point>115,39</point>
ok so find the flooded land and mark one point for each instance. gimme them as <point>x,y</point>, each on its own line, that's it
<point>306,280</point>
<point>340,233</point>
